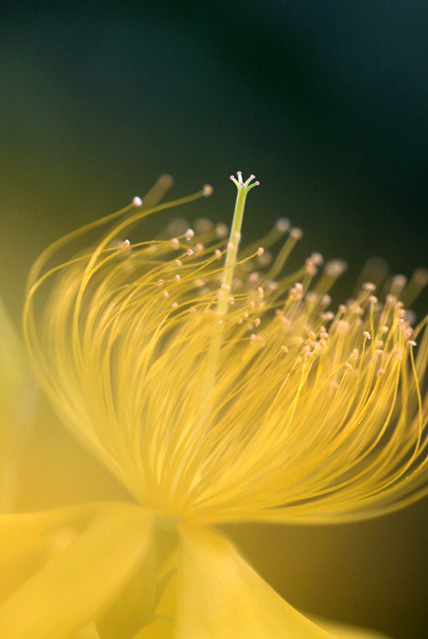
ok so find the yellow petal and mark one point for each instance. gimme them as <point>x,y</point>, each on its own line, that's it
<point>342,631</point>
<point>219,596</point>
<point>88,632</point>
<point>22,534</point>
<point>82,581</point>
<point>28,541</point>
<point>158,629</point>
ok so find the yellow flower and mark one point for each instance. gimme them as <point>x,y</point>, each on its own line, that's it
<point>215,393</point>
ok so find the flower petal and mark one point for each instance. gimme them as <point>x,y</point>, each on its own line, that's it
<point>80,583</point>
<point>342,631</point>
<point>28,541</point>
<point>219,596</point>
<point>158,629</point>
<point>22,534</point>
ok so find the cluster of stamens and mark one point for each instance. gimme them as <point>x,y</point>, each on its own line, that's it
<point>190,357</point>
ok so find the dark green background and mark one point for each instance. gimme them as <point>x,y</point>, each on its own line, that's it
<point>325,101</point>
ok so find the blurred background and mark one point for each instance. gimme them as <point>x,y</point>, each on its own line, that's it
<point>326,102</point>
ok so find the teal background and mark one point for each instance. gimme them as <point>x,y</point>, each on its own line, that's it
<point>326,102</point>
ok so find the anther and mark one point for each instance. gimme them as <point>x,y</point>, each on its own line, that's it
<point>175,243</point>
<point>254,277</point>
<point>317,258</point>
<point>217,254</point>
<point>399,282</point>
<point>178,262</point>
<point>310,268</point>
<point>189,252</point>
<point>230,247</point>
<point>190,233</point>
<point>221,230</point>
<point>357,310</point>
<point>137,201</point>
<point>203,225</point>
<point>125,245</point>
<point>282,225</point>
<point>177,278</point>
<point>296,233</point>
<point>380,372</point>
<point>207,190</point>
<point>260,251</point>
<point>174,305</point>
<point>335,268</point>
<point>367,335</point>
<point>284,349</point>
<point>411,342</point>
<point>326,301</point>
<point>369,286</point>
<point>328,316</point>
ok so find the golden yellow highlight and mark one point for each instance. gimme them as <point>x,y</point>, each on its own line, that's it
<point>296,414</point>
